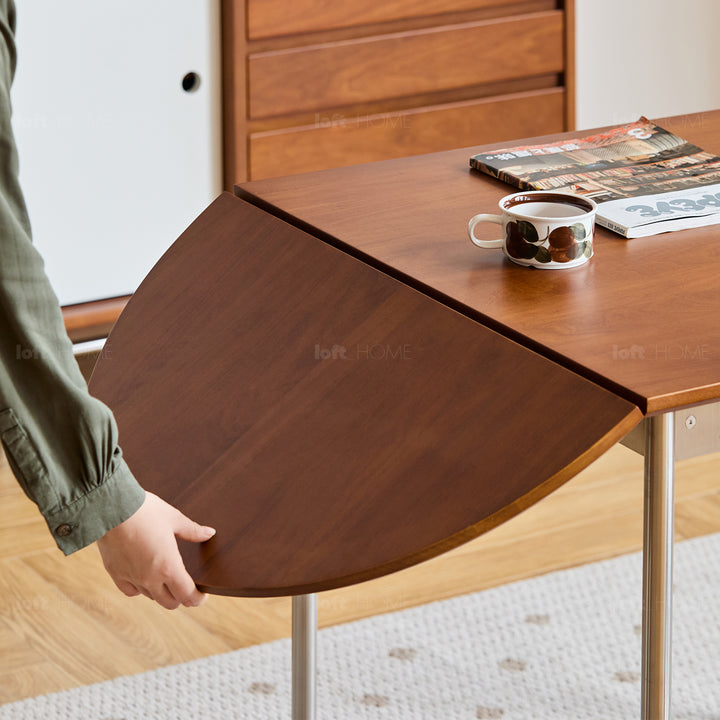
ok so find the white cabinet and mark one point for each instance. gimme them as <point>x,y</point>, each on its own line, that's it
<point>116,158</point>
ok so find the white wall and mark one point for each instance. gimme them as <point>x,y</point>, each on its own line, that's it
<point>116,159</point>
<point>645,57</point>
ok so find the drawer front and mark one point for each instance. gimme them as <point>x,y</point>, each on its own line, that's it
<point>337,141</point>
<point>270,18</point>
<point>403,64</point>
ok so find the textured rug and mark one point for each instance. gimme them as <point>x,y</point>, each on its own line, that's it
<point>564,646</point>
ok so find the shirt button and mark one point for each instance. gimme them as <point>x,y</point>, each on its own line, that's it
<point>63,530</point>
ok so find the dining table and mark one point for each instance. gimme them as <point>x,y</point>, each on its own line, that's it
<point>324,368</point>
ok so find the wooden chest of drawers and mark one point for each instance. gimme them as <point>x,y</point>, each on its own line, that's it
<point>313,84</point>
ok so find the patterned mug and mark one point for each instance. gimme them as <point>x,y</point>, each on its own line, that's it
<point>542,229</point>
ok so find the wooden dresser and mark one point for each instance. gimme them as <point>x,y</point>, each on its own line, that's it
<point>314,84</point>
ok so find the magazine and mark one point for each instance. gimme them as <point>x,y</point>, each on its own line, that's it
<point>645,179</point>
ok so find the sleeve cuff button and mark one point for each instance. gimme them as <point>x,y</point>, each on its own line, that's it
<point>63,530</point>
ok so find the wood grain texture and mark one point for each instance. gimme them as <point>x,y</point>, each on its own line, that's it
<point>339,140</point>
<point>640,318</point>
<point>94,651</point>
<point>405,63</point>
<point>271,18</point>
<point>596,515</point>
<point>30,680</point>
<point>333,424</point>
<point>569,74</point>
<point>92,320</point>
<point>499,90</point>
<point>234,85</point>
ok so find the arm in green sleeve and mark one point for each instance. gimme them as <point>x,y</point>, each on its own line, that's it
<point>61,443</point>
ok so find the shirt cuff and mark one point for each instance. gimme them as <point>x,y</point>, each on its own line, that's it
<point>88,518</point>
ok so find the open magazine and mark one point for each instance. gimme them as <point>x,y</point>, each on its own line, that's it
<point>645,179</point>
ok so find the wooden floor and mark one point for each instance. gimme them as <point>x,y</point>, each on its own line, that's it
<point>64,624</point>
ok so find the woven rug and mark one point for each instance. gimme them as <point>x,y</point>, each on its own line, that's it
<point>564,646</point>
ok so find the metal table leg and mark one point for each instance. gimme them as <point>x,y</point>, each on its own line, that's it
<point>304,636</point>
<point>657,567</point>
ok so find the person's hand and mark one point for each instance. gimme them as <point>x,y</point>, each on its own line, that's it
<point>141,554</point>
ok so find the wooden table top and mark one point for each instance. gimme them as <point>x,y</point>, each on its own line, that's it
<point>641,318</point>
<point>332,423</point>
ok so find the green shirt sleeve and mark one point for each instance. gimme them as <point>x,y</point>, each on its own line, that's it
<point>61,443</point>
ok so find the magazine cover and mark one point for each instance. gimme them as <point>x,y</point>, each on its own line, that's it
<point>645,179</point>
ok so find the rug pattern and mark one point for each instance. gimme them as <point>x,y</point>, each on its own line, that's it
<point>564,646</point>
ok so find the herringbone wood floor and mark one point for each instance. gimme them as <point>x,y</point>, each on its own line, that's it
<point>64,624</point>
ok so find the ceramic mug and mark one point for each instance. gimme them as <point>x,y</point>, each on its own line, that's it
<point>542,229</point>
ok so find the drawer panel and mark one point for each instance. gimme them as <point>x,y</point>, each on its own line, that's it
<point>353,72</point>
<point>270,18</point>
<point>335,141</point>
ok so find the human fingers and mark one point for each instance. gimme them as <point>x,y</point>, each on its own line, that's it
<point>188,529</point>
<point>198,599</point>
<point>162,596</point>
<point>182,587</point>
<point>125,586</point>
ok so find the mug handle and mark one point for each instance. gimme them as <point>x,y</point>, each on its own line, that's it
<point>484,217</point>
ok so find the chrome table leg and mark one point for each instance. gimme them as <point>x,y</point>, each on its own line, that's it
<point>657,567</point>
<point>304,637</point>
